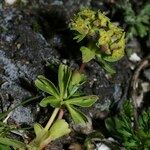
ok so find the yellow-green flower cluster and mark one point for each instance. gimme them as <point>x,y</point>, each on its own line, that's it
<point>108,37</point>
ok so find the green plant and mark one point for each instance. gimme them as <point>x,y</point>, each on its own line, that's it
<point>46,135</point>
<point>106,40</point>
<point>138,24</point>
<point>5,142</point>
<point>137,21</point>
<point>43,135</point>
<point>122,127</point>
<point>66,94</point>
<point>97,138</point>
<point>5,130</point>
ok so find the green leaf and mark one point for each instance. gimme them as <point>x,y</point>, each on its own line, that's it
<point>79,38</point>
<point>125,133</point>
<point>131,144</point>
<point>128,109</point>
<point>77,116</point>
<point>142,29</point>
<point>32,147</point>
<point>108,67</point>
<point>59,129</point>
<point>46,85</point>
<point>37,129</point>
<point>84,101</point>
<point>110,124</point>
<point>77,79</point>
<point>64,75</point>
<point>11,142</point>
<point>50,100</point>
<point>105,64</point>
<point>4,147</point>
<point>41,135</point>
<point>87,54</point>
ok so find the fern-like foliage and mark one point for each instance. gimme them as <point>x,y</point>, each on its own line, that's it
<point>122,128</point>
<point>138,23</point>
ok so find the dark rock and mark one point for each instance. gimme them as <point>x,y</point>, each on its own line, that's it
<point>22,54</point>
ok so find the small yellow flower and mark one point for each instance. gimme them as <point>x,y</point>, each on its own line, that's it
<point>117,49</point>
<point>107,36</point>
<point>87,14</point>
<point>96,23</point>
<point>104,37</point>
<point>80,25</point>
<point>116,30</point>
<point>103,19</point>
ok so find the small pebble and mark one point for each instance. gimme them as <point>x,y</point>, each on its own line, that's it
<point>134,58</point>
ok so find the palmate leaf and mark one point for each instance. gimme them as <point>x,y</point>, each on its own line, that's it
<point>46,85</point>
<point>87,54</point>
<point>68,83</point>
<point>84,101</point>
<point>59,129</point>
<point>64,75</point>
<point>77,116</point>
<point>50,100</point>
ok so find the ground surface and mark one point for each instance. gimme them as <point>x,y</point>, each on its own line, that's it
<point>35,36</point>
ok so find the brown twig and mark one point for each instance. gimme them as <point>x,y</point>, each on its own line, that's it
<point>82,67</point>
<point>134,86</point>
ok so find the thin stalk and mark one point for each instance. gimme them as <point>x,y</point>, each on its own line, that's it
<point>82,67</point>
<point>51,120</point>
<point>61,113</point>
<point>22,103</point>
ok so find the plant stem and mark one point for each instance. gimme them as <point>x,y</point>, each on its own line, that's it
<point>52,118</point>
<point>61,113</point>
<point>82,67</point>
